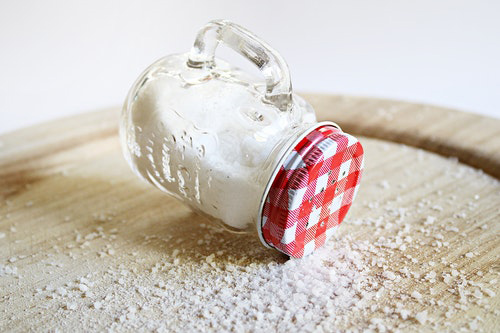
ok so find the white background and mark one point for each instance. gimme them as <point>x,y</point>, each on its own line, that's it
<point>59,58</point>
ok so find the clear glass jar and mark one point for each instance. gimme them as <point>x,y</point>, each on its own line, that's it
<point>210,134</point>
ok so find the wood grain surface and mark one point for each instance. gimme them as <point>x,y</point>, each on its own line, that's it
<point>86,246</point>
<point>471,138</point>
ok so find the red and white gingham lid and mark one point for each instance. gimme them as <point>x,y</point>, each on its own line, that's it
<point>312,191</point>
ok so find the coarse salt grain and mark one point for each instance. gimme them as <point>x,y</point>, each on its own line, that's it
<point>416,295</point>
<point>83,287</point>
<point>61,291</point>
<point>437,208</point>
<point>489,292</point>
<point>421,317</point>
<point>405,314</point>
<point>429,220</point>
<point>71,306</point>
<point>384,184</point>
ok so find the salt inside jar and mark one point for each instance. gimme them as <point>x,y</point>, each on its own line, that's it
<point>246,153</point>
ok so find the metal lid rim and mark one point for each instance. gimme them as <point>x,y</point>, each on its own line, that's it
<point>275,173</point>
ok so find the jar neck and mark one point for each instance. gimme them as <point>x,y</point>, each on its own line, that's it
<point>278,153</point>
<point>278,157</point>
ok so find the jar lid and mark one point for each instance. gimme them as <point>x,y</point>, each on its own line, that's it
<point>311,192</point>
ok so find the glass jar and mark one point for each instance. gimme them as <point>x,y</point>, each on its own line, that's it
<point>219,140</point>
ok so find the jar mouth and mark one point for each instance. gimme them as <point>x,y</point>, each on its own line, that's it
<point>311,190</point>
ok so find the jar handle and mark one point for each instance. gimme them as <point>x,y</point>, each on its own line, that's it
<point>272,65</point>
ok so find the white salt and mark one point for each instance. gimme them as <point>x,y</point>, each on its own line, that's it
<point>389,275</point>
<point>421,317</point>
<point>213,154</point>
<point>83,287</point>
<point>416,295</point>
<point>384,184</point>
<point>404,314</point>
<point>489,292</point>
<point>71,306</point>
<point>62,291</point>
<point>429,220</point>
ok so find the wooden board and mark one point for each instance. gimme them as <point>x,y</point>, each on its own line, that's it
<point>85,245</point>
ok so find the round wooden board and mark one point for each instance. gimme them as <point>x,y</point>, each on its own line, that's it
<point>87,246</point>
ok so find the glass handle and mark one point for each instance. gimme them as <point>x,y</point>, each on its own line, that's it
<point>272,65</point>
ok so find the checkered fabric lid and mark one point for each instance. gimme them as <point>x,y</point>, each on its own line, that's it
<point>312,191</point>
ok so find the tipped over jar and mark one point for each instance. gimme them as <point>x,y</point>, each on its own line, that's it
<point>244,152</point>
